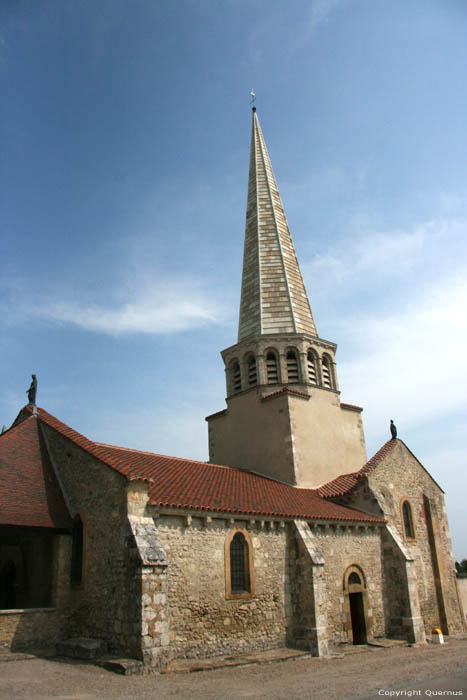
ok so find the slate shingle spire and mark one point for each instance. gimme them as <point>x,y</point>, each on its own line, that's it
<point>273,298</point>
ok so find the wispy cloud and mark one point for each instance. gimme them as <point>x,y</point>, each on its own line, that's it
<point>169,306</point>
<point>409,362</point>
<point>363,260</point>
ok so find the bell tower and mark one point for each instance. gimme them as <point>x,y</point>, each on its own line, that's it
<point>284,418</point>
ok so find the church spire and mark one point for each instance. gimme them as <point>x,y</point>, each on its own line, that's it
<point>273,298</point>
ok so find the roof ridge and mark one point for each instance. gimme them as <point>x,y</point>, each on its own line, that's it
<point>16,424</point>
<point>337,486</point>
<point>159,454</point>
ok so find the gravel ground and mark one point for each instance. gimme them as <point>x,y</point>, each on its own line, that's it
<point>356,675</point>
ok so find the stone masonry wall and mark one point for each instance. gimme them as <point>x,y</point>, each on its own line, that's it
<point>202,621</point>
<point>399,477</point>
<point>341,547</point>
<point>100,607</point>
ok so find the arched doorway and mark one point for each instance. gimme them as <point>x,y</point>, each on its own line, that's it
<point>355,598</point>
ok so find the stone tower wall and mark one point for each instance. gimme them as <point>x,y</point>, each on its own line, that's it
<point>305,440</point>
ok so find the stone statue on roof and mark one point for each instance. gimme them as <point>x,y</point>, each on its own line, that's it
<point>393,430</point>
<point>32,391</point>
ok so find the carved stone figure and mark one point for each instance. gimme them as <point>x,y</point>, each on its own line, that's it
<point>393,430</point>
<point>32,391</point>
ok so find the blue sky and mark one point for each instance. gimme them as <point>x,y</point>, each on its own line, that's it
<point>125,132</point>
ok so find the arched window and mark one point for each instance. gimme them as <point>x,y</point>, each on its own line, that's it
<point>326,369</point>
<point>409,531</point>
<point>292,367</point>
<point>272,374</point>
<point>312,367</point>
<point>77,552</point>
<point>235,377</point>
<point>239,565</point>
<point>354,576</point>
<point>239,574</point>
<point>251,365</point>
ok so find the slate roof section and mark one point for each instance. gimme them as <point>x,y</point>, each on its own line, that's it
<point>191,485</point>
<point>30,495</point>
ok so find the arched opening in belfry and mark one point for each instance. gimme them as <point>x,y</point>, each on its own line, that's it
<point>326,371</point>
<point>292,367</point>
<point>312,367</point>
<point>272,369</point>
<point>235,377</point>
<point>251,370</point>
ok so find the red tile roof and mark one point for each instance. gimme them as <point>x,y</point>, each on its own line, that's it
<point>30,495</point>
<point>351,407</point>
<point>287,392</point>
<point>346,482</point>
<point>183,483</point>
<point>191,485</point>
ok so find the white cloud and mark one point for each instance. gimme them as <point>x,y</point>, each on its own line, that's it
<point>410,363</point>
<point>165,307</point>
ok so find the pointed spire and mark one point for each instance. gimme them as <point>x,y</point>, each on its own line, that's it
<point>274,298</point>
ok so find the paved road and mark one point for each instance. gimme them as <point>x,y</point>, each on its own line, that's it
<point>372,673</point>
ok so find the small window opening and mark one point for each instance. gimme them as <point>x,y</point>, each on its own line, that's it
<point>251,371</point>
<point>239,568</point>
<point>408,522</point>
<point>236,377</point>
<point>77,552</point>
<point>354,579</point>
<point>311,364</point>
<point>271,368</point>
<point>292,367</point>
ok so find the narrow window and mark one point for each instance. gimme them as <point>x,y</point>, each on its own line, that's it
<point>408,522</point>
<point>271,368</point>
<point>77,552</point>
<point>239,565</point>
<point>354,578</point>
<point>236,377</point>
<point>326,369</point>
<point>292,367</point>
<point>311,365</point>
<point>251,371</point>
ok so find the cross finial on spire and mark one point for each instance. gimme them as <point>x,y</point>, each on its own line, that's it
<point>253,100</point>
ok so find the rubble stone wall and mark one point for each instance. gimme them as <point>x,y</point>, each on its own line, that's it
<point>398,477</point>
<point>202,621</point>
<point>342,547</point>
<point>100,606</point>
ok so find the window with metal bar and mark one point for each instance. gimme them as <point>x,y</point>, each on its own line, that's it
<point>239,565</point>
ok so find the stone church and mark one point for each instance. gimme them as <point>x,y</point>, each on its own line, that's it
<point>287,536</point>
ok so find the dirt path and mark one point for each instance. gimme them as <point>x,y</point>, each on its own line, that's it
<point>361,674</point>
